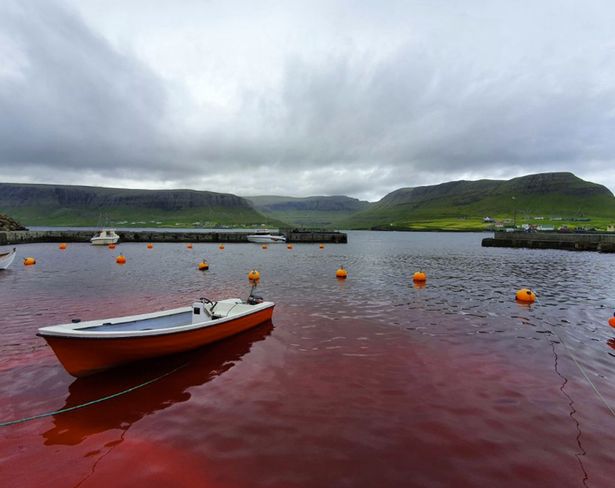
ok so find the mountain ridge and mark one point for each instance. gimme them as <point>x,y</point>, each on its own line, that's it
<point>560,194</point>
<point>44,204</point>
<point>453,205</point>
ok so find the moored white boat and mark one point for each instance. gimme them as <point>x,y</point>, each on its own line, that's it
<point>105,237</point>
<point>265,238</point>
<point>85,348</point>
<point>7,257</point>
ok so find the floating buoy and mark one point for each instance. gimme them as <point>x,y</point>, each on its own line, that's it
<point>121,259</point>
<point>289,246</point>
<point>612,321</point>
<point>150,246</point>
<point>221,246</point>
<point>265,246</point>
<point>525,295</point>
<point>29,261</point>
<point>111,246</point>
<point>254,275</point>
<point>203,265</point>
<point>189,246</point>
<point>419,277</point>
<point>62,246</point>
<point>341,273</point>
<point>322,246</point>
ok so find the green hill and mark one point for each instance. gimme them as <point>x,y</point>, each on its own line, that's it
<point>318,211</point>
<point>559,198</point>
<point>85,206</point>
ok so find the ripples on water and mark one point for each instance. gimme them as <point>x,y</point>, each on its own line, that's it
<point>365,382</point>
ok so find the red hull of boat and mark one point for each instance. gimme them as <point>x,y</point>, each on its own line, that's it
<point>85,356</point>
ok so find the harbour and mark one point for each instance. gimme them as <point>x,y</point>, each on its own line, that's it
<point>452,380</point>
<point>170,235</point>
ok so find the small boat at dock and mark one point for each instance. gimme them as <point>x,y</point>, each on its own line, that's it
<point>7,257</point>
<point>265,237</point>
<point>85,348</point>
<point>105,237</point>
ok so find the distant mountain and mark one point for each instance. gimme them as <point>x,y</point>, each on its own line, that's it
<point>7,223</point>
<point>463,204</point>
<point>85,205</point>
<point>318,211</point>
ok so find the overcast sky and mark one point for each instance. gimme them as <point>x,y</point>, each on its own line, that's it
<point>304,97</point>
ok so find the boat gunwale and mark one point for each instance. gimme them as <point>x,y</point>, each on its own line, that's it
<point>74,331</point>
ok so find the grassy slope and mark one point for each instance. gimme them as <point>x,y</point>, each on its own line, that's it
<point>462,205</point>
<point>141,217</point>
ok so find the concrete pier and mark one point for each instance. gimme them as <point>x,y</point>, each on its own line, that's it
<point>553,240</point>
<point>292,235</point>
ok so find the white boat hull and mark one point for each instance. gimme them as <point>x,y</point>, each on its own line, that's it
<point>265,239</point>
<point>106,237</point>
<point>7,258</point>
<point>103,241</point>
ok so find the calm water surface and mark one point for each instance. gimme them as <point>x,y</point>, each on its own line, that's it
<point>368,382</point>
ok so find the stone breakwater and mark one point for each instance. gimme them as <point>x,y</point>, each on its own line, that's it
<point>295,236</point>
<point>553,240</point>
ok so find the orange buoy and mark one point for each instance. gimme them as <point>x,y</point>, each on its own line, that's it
<point>254,275</point>
<point>289,246</point>
<point>203,265</point>
<point>265,246</point>
<point>525,295</point>
<point>612,321</point>
<point>111,246</point>
<point>341,273</point>
<point>189,246</point>
<point>62,246</point>
<point>419,277</point>
<point>121,259</point>
<point>221,246</point>
<point>322,246</point>
<point>29,261</point>
<point>150,246</point>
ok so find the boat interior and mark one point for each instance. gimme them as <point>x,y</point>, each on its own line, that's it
<point>202,311</point>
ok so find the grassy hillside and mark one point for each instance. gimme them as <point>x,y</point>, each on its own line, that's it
<point>83,206</point>
<point>559,198</point>
<point>317,211</point>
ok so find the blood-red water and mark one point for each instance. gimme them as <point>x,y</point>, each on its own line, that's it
<point>365,382</point>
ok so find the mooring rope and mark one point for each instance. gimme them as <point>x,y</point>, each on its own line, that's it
<point>92,402</point>
<point>574,359</point>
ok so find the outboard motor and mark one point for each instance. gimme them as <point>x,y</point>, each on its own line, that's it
<point>254,299</point>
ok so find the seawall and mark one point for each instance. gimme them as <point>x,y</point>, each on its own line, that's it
<point>295,236</point>
<point>553,240</point>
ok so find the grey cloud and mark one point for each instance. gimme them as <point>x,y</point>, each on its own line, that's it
<point>441,104</point>
<point>76,102</point>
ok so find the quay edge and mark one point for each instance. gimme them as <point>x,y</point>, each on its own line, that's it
<point>292,235</point>
<point>552,240</point>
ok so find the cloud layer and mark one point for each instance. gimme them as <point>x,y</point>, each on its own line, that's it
<point>313,98</point>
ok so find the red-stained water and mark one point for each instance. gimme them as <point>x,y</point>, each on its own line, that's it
<point>365,382</point>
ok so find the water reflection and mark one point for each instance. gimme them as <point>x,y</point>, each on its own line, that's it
<point>186,370</point>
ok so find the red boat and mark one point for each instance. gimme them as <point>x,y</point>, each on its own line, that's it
<point>85,348</point>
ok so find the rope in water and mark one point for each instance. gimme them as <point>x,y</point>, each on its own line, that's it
<point>92,402</point>
<point>574,359</point>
